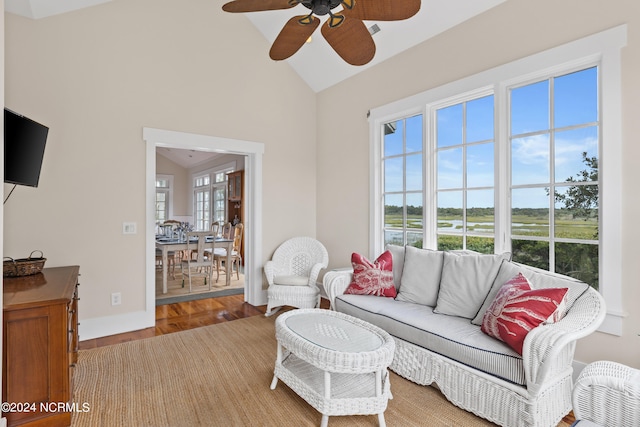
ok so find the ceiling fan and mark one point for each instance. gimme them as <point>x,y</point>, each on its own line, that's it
<point>344,30</point>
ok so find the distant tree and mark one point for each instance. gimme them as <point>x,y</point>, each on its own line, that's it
<point>582,200</point>
<point>580,260</point>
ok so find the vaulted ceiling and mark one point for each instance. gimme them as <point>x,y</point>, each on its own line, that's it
<point>316,62</point>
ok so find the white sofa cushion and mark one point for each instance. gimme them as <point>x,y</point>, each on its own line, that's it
<point>397,254</point>
<point>420,276</point>
<point>465,283</point>
<point>453,337</point>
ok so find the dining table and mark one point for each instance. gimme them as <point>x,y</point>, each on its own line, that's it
<point>166,245</point>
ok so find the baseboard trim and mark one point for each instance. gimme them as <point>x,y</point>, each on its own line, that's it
<point>112,325</point>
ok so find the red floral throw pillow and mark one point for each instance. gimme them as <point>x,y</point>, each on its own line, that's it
<point>372,278</point>
<point>517,309</point>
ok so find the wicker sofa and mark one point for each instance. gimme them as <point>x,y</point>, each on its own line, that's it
<point>435,344</point>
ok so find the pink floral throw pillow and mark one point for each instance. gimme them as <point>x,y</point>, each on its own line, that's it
<point>372,278</point>
<point>517,309</point>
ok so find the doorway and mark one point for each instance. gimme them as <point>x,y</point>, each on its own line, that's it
<point>195,189</point>
<point>253,152</point>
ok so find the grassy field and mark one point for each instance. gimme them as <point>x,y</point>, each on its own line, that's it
<point>522,225</point>
<point>579,260</point>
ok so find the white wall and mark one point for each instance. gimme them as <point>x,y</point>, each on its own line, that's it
<point>513,30</point>
<point>181,184</point>
<point>96,77</point>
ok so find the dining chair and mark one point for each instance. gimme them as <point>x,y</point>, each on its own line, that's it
<point>220,254</point>
<point>225,230</point>
<point>201,266</point>
<point>168,228</point>
<point>215,228</point>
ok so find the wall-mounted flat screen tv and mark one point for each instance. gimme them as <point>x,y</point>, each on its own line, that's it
<point>24,142</point>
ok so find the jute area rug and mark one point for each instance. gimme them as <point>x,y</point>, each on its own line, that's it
<point>219,375</point>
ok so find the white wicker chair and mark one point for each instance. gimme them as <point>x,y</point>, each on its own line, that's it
<point>608,394</point>
<point>292,273</point>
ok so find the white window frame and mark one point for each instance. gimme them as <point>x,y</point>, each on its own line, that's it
<point>225,169</point>
<point>432,160</point>
<point>169,192</point>
<point>205,189</point>
<point>405,230</point>
<point>602,49</point>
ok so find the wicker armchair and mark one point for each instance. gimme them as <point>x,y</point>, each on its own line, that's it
<point>292,273</point>
<point>608,394</point>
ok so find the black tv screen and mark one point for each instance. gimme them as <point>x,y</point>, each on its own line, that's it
<point>24,142</point>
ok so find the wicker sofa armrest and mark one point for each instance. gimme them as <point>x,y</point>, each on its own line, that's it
<point>548,349</point>
<point>335,282</point>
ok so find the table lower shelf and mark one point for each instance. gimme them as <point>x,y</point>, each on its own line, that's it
<point>351,394</point>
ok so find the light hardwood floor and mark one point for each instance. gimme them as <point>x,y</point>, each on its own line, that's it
<point>185,315</point>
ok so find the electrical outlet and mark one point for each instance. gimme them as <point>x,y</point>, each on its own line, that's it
<point>116,298</point>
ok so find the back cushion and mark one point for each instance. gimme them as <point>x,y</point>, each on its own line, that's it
<point>397,253</point>
<point>420,276</point>
<point>538,278</point>
<point>465,283</point>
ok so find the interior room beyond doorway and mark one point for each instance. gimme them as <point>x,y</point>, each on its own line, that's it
<point>194,189</point>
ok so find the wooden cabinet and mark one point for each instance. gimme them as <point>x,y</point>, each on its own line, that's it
<point>235,201</point>
<point>40,346</point>
<point>235,186</point>
<point>235,197</point>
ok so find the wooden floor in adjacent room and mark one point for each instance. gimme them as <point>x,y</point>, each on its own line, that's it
<point>185,315</point>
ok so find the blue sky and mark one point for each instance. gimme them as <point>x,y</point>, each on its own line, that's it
<point>572,114</point>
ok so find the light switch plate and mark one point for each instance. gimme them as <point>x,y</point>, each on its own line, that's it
<point>129,228</point>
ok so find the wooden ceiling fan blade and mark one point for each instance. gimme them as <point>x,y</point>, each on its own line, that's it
<point>292,36</point>
<point>351,40</point>
<point>239,6</point>
<point>383,10</point>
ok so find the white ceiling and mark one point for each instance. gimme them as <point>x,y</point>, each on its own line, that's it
<point>316,62</point>
<point>37,9</point>
<point>186,158</point>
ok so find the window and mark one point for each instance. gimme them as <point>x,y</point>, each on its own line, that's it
<point>509,161</point>
<point>201,199</point>
<point>210,197</point>
<point>465,175</point>
<point>554,143</point>
<point>403,189</point>
<point>220,197</point>
<point>163,198</point>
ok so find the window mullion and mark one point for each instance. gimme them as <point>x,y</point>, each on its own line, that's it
<point>464,176</point>
<point>430,184</point>
<point>502,167</point>
<point>552,176</point>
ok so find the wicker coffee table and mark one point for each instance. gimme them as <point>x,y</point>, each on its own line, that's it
<point>336,362</point>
